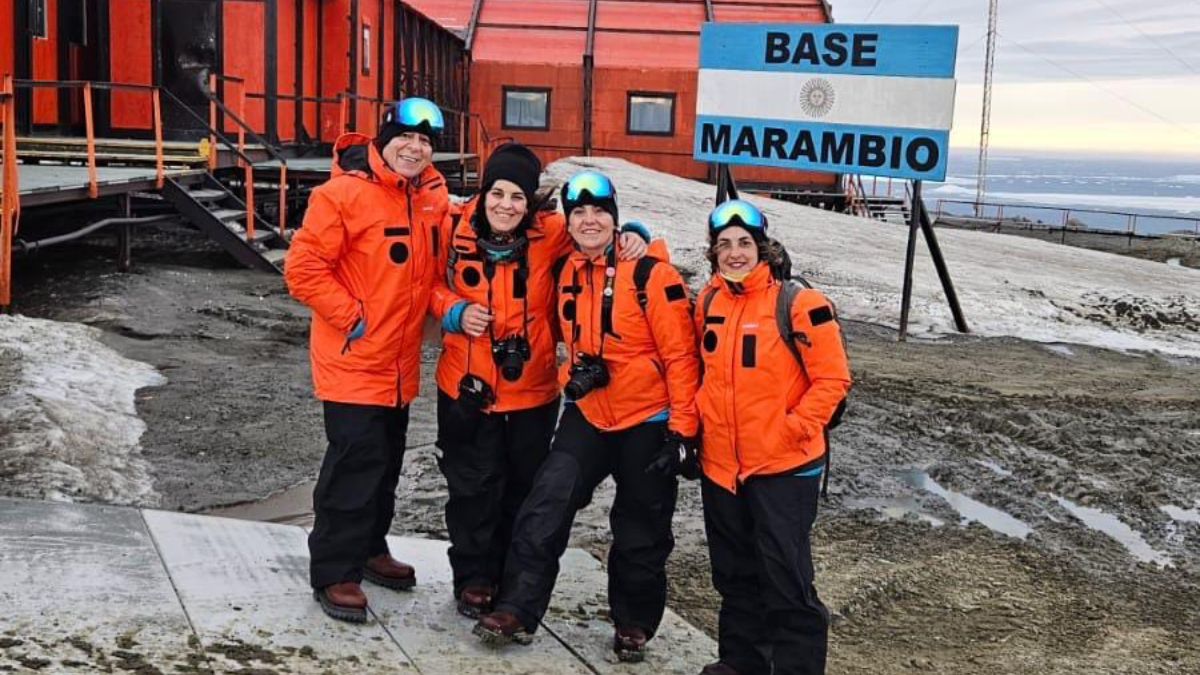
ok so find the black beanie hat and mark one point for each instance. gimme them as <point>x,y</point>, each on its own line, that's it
<point>609,204</point>
<point>513,162</point>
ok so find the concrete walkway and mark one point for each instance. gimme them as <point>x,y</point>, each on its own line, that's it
<point>87,589</point>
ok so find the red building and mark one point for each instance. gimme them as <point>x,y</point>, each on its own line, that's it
<point>567,77</point>
<point>291,58</point>
<point>605,77</point>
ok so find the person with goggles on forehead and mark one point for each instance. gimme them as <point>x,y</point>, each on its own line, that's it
<point>498,394</point>
<point>630,383</point>
<point>364,261</point>
<point>764,407</point>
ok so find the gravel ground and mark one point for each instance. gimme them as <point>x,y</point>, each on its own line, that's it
<point>1039,432</point>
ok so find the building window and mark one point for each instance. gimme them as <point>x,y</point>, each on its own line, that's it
<point>365,57</point>
<point>37,18</point>
<point>526,108</point>
<point>650,113</point>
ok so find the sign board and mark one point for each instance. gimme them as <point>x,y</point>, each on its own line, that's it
<point>864,99</point>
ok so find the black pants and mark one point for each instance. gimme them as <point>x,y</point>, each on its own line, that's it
<point>489,471</point>
<point>581,457</point>
<point>771,620</point>
<point>355,497</point>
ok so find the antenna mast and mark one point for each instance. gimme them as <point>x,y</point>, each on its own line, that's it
<point>986,126</point>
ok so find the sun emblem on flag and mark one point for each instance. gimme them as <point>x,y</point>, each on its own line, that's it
<point>817,97</point>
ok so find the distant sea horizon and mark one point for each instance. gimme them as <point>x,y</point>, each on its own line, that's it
<point>1164,187</point>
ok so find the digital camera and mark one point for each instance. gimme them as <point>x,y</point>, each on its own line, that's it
<point>587,374</point>
<point>510,355</point>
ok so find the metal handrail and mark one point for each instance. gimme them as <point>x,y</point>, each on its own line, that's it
<point>1130,216</point>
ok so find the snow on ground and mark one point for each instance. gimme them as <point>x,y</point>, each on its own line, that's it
<point>1008,286</point>
<point>69,429</point>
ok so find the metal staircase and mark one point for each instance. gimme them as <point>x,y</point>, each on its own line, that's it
<point>221,215</point>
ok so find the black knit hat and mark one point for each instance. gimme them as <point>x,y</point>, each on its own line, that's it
<point>513,162</point>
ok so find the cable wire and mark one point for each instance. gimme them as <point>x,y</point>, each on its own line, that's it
<point>1101,87</point>
<point>1149,37</point>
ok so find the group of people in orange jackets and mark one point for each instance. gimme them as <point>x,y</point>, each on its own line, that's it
<point>656,384</point>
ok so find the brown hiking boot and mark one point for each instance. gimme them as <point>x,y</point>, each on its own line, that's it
<point>630,644</point>
<point>475,601</point>
<point>344,601</point>
<point>501,628</point>
<point>718,668</point>
<point>384,570</point>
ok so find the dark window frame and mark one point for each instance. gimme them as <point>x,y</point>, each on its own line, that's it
<point>629,130</point>
<point>504,92</point>
<point>365,54</point>
<point>38,19</point>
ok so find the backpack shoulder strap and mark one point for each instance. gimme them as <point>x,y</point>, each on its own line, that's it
<point>557,268</point>
<point>788,291</point>
<point>641,277</point>
<point>709,296</point>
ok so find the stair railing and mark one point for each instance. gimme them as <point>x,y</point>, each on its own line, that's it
<point>89,125</point>
<point>238,118</point>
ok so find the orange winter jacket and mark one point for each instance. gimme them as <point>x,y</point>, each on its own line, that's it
<point>760,413</point>
<point>512,301</point>
<point>368,248</point>
<point>650,354</point>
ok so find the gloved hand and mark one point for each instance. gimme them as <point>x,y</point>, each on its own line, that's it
<point>359,330</point>
<point>679,456</point>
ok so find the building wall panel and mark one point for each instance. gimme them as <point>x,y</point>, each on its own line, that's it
<point>312,35</point>
<point>244,26</point>
<point>566,97</point>
<point>7,38</point>
<point>45,67</point>
<point>285,73</point>
<point>335,50</point>
<point>130,61</point>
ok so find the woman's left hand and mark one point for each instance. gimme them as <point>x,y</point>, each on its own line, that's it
<point>632,246</point>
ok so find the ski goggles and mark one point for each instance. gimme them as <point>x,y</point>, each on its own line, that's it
<point>417,113</point>
<point>588,184</point>
<point>736,212</point>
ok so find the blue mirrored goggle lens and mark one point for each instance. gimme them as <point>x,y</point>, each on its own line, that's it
<point>413,112</point>
<point>596,184</point>
<point>730,212</point>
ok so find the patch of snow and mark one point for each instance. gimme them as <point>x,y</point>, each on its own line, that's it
<point>69,428</point>
<point>1007,285</point>
<point>1180,514</point>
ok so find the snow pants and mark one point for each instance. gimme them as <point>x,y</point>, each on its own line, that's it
<point>355,497</point>
<point>771,621</point>
<point>488,471</point>
<point>580,458</point>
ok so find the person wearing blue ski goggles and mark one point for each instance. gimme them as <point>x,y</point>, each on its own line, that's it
<point>407,135</point>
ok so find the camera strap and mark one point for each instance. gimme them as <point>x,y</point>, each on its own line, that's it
<point>606,302</point>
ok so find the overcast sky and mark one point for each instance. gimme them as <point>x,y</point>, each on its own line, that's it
<point>1081,75</point>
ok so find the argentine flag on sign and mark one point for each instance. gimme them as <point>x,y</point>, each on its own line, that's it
<point>869,99</point>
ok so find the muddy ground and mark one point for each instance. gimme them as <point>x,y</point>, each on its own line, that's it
<point>1029,429</point>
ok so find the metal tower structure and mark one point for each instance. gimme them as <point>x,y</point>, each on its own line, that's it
<point>986,126</point>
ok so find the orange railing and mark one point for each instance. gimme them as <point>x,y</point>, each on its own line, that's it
<point>10,198</point>
<point>156,95</point>
<point>89,125</point>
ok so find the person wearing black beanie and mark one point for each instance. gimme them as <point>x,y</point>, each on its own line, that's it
<point>516,165</point>
<point>497,380</point>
